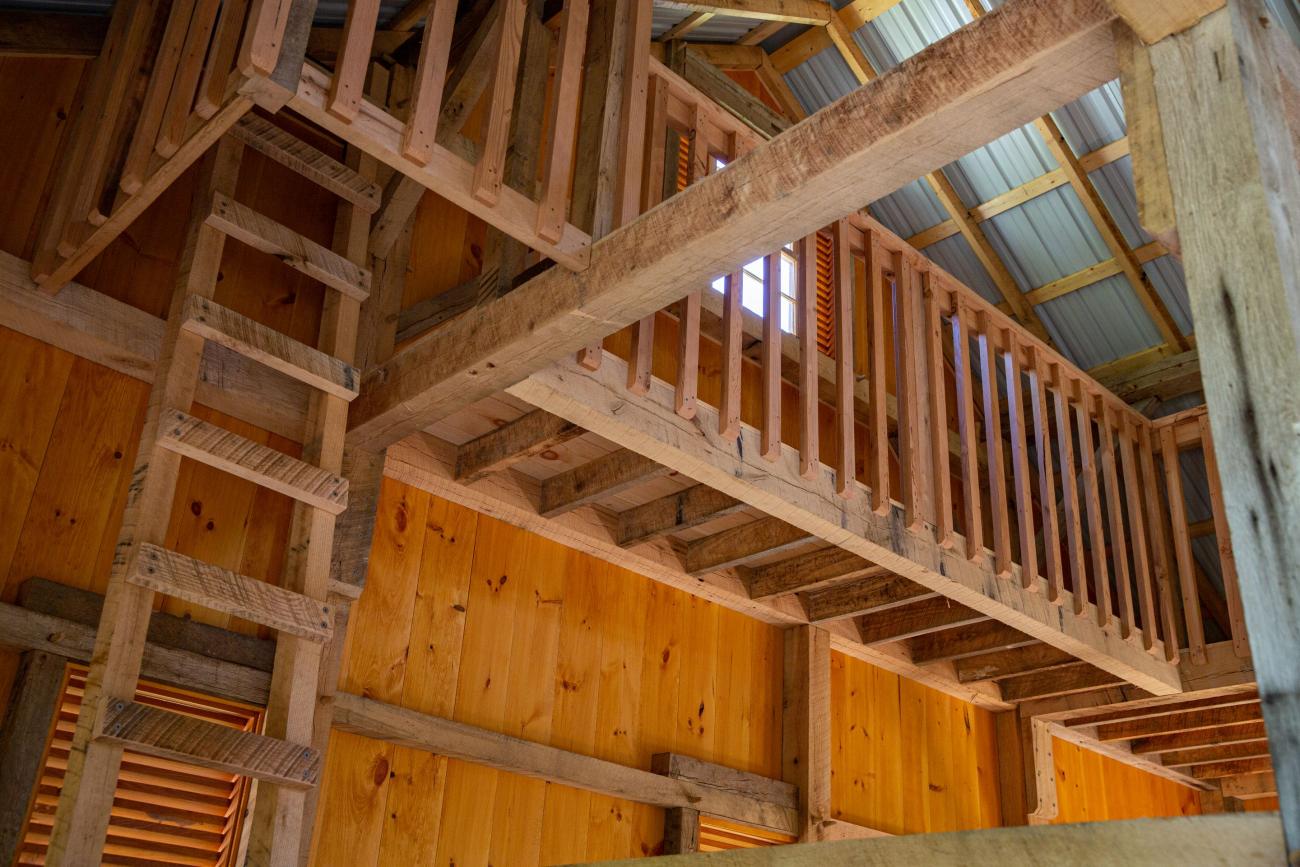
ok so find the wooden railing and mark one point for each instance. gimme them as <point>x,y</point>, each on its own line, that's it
<point>923,396</point>
<point>150,106</point>
<point>470,172</point>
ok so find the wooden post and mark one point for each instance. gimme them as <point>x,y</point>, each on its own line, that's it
<point>1226,96</point>
<point>681,831</point>
<point>806,724</point>
<point>26,728</point>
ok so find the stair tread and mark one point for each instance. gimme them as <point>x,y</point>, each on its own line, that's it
<point>217,447</point>
<point>162,733</point>
<point>270,140</point>
<point>297,251</point>
<point>267,346</point>
<point>213,587</point>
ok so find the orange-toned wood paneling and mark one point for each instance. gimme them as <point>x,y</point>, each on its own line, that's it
<point>1091,787</point>
<point>907,759</point>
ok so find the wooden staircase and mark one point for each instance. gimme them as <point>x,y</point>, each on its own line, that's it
<point>283,757</point>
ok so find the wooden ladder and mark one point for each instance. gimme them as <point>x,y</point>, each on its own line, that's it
<point>110,721</point>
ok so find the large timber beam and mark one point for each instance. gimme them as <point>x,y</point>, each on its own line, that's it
<point>1227,96</point>
<point>943,102</point>
<point>598,402</point>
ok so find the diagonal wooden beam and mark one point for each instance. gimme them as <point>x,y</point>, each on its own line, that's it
<point>815,12</point>
<point>941,103</point>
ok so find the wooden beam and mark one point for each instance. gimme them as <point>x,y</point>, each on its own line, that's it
<point>863,596</point>
<point>1164,379</point>
<point>414,730</point>
<point>597,401</point>
<point>739,545</point>
<point>1249,786</point>
<point>1206,755</point>
<point>1179,722</point>
<point>815,12</point>
<point>32,707</point>
<point>681,831</point>
<point>1079,677</point>
<point>603,477</point>
<point>1230,838</point>
<point>1155,196</point>
<point>743,783</point>
<point>719,87</point>
<point>967,641</point>
<point>953,96</point>
<point>1206,737</point>
<point>1153,20</point>
<point>1006,663</point>
<point>101,329</point>
<point>807,572</point>
<point>525,437</point>
<point>806,725</point>
<point>674,513</point>
<point>915,618</point>
<point>1226,93</point>
<point>850,17</point>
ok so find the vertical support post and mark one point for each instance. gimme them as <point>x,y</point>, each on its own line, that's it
<point>681,831</point>
<point>806,724</point>
<point>23,736</point>
<point>1227,91</point>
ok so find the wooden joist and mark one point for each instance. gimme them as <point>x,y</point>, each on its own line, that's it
<point>1079,677</point>
<point>760,788</point>
<point>808,572</point>
<point>1249,786</point>
<point>1179,722</point>
<point>953,96</point>
<point>915,619</point>
<point>1223,752</point>
<point>1007,663</point>
<point>815,12</point>
<point>863,596</point>
<point>674,513</point>
<point>525,437</point>
<point>603,477</point>
<point>1201,737</point>
<point>217,447</point>
<point>156,732</point>
<point>740,545</point>
<point>597,401</point>
<point>1234,768</point>
<point>967,641</point>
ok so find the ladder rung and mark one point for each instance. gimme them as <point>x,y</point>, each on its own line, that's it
<point>303,254</point>
<point>277,351</point>
<point>157,732</point>
<point>268,139</point>
<point>222,590</point>
<point>217,447</point>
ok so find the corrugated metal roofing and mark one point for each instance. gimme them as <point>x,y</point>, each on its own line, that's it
<point>1044,239</point>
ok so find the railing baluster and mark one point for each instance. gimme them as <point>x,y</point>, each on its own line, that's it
<point>907,354</point>
<point>878,416</point>
<point>688,348</point>
<point>1182,545</point>
<point>431,77</point>
<point>1020,464</point>
<point>970,477</point>
<point>1115,512</point>
<point>842,277</point>
<point>771,440</point>
<point>221,60</point>
<point>998,507</point>
<point>489,173</point>
<point>1070,490</point>
<point>729,411</point>
<point>1138,535</point>
<point>348,85</point>
<point>1223,536</point>
<point>806,314</point>
<point>1046,477</point>
<point>934,368</point>
<point>1159,543</point>
<point>658,170</point>
<point>1092,495</point>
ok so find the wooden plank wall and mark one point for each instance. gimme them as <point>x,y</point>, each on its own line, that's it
<point>1091,787</point>
<point>908,759</point>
